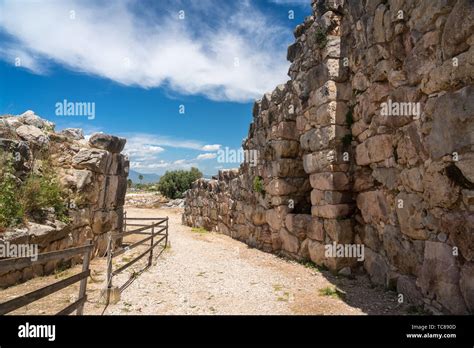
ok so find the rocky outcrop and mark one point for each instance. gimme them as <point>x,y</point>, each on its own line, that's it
<point>370,143</point>
<point>92,173</point>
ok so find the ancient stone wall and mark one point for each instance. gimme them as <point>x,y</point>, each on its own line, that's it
<point>375,133</point>
<point>93,174</point>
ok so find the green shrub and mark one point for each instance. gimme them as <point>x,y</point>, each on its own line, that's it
<point>30,198</point>
<point>173,184</point>
<point>40,192</point>
<point>258,185</point>
<point>11,212</point>
<point>321,37</point>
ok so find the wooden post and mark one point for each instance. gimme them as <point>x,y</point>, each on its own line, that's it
<point>124,224</point>
<point>150,260</point>
<point>110,251</point>
<point>166,238</point>
<point>83,285</point>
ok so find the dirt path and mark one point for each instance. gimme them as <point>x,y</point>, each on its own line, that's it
<point>210,273</point>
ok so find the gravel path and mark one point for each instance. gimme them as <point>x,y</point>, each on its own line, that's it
<point>210,273</point>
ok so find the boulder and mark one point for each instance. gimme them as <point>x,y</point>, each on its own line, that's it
<point>33,135</point>
<point>73,133</point>
<point>92,159</point>
<point>107,142</point>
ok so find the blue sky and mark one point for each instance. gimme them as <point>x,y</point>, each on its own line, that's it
<point>141,62</point>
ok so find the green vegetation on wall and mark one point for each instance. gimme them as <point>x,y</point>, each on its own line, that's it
<point>30,199</point>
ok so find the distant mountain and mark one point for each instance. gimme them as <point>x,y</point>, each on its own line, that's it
<point>147,178</point>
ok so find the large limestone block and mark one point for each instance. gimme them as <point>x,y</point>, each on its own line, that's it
<point>289,242</point>
<point>438,189</point>
<point>467,285</point>
<point>92,159</point>
<point>285,130</point>
<point>374,207</point>
<point>276,216</point>
<point>280,187</point>
<point>322,138</point>
<point>407,287</point>
<point>457,29</point>
<point>319,197</point>
<point>316,252</point>
<point>406,255</point>
<point>332,211</point>
<point>411,216</point>
<point>315,229</point>
<point>319,161</point>
<point>453,123</point>
<point>450,75</point>
<point>284,148</point>
<point>376,266</point>
<point>330,181</point>
<point>327,114</point>
<point>340,231</point>
<point>375,149</point>
<point>440,277</point>
<point>298,224</point>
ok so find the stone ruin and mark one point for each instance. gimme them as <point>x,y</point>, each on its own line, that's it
<point>346,156</point>
<point>93,172</point>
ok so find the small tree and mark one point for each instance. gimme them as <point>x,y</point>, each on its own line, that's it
<point>140,177</point>
<point>173,184</point>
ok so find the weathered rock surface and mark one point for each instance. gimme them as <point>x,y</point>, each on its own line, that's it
<point>398,179</point>
<point>92,174</point>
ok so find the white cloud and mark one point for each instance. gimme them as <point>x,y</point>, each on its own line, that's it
<point>205,156</point>
<point>214,147</point>
<point>145,150</point>
<point>191,56</point>
<point>292,2</point>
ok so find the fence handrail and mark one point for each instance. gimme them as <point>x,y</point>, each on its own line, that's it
<point>162,230</point>
<point>134,245</point>
<point>147,219</point>
<point>118,235</point>
<point>17,263</point>
<point>124,267</point>
<point>35,295</point>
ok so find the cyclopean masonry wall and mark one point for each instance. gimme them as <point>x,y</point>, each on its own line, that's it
<point>93,172</point>
<point>376,170</point>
